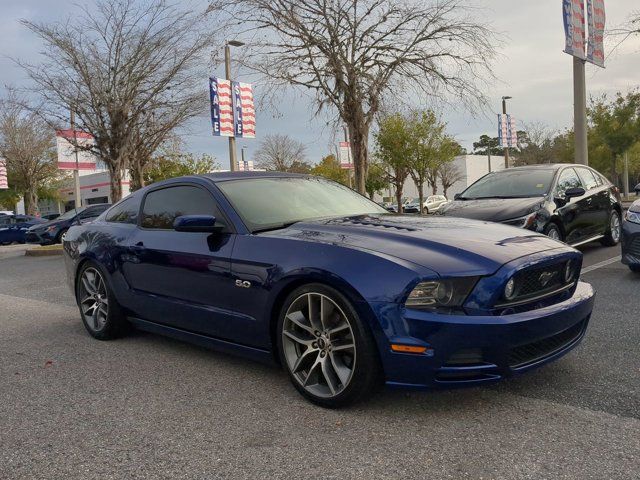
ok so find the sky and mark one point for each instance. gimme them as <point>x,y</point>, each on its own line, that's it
<point>531,68</point>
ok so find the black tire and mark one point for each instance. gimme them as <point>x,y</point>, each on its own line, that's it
<point>59,235</point>
<point>552,229</point>
<point>634,268</point>
<point>115,324</point>
<point>610,239</point>
<point>366,371</point>
<point>425,210</point>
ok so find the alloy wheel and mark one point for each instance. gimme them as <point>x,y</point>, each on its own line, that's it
<point>615,227</point>
<point>94,302</point>
<point>319,345</point>
<point>554,234</point>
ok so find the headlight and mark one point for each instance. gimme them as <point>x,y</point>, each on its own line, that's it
<point>631,216</point>
<point>510,289</point>
<point>522,222</point>
<point>441,294</point>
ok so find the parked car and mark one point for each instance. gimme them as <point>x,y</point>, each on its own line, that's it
<point>52,231</point>
<point>5,212</point>
<point>631,237</point>
<point>431,205</point>
<point>14,227</point>
<point>571,203</point>
<point>306,272</point>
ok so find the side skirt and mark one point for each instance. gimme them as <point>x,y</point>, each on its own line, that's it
<point>588,240</point>
<point>257,354</point>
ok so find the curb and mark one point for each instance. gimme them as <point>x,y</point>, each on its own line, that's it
<point>44,251</point>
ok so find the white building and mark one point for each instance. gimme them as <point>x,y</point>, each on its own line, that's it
<point>94,188</point>
<point>472,168</point>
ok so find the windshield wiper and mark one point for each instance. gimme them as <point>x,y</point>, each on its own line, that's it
<point>280,226</point>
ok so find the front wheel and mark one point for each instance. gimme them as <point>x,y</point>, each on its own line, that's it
<point>328,352</point>
<point>614,230</point>
<point>100,312</point>
<point>425,210</point>
<point>552,231</point>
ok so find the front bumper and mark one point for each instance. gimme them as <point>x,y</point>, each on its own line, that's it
<point>41,238</point>
<point>630,243</point>
<point>466,350</point>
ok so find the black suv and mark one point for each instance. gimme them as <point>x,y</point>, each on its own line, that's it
<point>572,203</point>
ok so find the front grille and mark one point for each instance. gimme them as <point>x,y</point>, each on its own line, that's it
<point>532,352</point>
<point>537,283</point>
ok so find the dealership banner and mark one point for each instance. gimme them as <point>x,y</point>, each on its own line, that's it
<point>574,27</point>
<point>221,107</point>
<point>244,110</point>
<point>596,21</point>
<point>344,155</point>
<point>68,157</point>
<point>507,131</point>
<point>577,22</point>
<point>4,184</point>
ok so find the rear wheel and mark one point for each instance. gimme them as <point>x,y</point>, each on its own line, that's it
<point>614,230</point>
<point>552,231</point>
<point>328,352</point>
<point>425,210</point>
<point>100,312</point>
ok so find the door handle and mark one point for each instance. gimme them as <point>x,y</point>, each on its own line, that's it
<point>137,248</point>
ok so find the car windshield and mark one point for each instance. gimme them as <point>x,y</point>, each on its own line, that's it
<point>271,203</point>
<point>71,213</point>
<point>511,184</point>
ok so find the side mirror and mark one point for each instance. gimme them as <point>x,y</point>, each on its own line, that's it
<point>457,196</point>
<point>195,223</point>
<point>574,192</point>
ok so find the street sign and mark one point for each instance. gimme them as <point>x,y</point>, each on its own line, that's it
<point>344,153</point>
<point>4,184</point>
<point>70,157</point>
<point>507,131</point>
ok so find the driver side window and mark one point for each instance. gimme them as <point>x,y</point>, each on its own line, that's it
<point>568,179</point>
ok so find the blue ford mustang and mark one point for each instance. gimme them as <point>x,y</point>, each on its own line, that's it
<point>342,293</point>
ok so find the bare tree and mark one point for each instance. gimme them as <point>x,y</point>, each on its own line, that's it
<point>28,146</point>
<point>118,64</point>
<point>535,144</point>
<point>449,174</point>
<point>354,53</point>
<point>282,153</point>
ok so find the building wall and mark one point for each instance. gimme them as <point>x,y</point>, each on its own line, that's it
<point>472,167</point>
<point>94,188</point>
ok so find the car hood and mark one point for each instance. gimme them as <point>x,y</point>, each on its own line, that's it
<point>491,209</point>
<point>448,246</point>
<point>46,224</point>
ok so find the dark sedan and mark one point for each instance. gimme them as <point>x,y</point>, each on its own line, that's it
<point>52,231</point>
<point>306,272</point>
<point>631,237</point>
<point>571,203</point>
<point>13,228</point>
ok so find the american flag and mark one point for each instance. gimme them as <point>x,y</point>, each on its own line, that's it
<point>221,107</point>
<point>3,174</point>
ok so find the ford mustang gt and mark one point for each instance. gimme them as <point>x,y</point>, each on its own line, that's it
<point>343,294</point>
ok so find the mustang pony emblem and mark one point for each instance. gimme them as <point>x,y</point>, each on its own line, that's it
<point>546,277</point>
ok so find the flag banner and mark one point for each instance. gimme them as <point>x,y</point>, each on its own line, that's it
<point>4,184</point>
<point>68,157</point>
<point>596,21</point>
<point>507,132</point>
<point>221,107</point>
<point>344,154</point>
<point>245,113</point>
<point>574,27</point>
<point>245,166</point>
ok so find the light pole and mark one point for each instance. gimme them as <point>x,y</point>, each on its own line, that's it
<point>233,156</point>
<point>244,164</point>
<point>506,147</point>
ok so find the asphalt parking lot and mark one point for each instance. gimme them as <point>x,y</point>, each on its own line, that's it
<point>150,407</point>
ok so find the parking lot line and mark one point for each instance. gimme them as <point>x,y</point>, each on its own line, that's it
<point>598,265</point>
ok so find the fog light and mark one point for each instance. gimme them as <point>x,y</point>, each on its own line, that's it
<point>510,289</point>
<point>569,272</point>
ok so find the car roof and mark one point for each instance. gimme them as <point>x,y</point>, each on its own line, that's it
<point>222,176</point>
<point>545,166</point>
